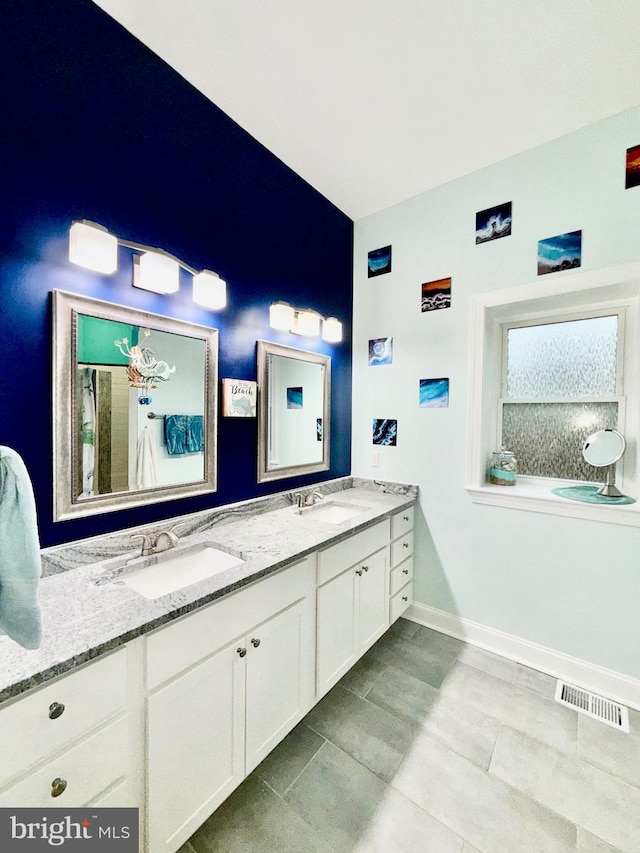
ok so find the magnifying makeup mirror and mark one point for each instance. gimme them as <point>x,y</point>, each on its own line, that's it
<point>602,450</point>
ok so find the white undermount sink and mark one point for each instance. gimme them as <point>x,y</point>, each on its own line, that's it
<point>333,512</point>
<point>176,570</point>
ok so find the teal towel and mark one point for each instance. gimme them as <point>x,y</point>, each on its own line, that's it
<point>20,565</point>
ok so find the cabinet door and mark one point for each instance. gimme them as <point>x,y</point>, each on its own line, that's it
<point>372,600</point>
<point>279,680</point>
<point>195,732</point>
<point>336,614</point>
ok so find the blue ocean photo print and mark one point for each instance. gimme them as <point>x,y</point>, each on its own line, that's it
<point>379,261</point>
<point>493,223</point>
<point>385,431</point>
<point>563,252</point>
<point>294,398</point>
<point>434,393</point>
<point>436,294</point>
<point>380,351</point>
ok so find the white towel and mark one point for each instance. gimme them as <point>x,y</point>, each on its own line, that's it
<point>20,565</point>
<point>146,461</point>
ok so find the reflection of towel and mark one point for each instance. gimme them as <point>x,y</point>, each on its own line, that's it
<point>146,461</point>
<point>20,566</point>
<point>184,433</point>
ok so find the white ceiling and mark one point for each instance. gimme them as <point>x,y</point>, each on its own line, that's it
<point>374,101</point>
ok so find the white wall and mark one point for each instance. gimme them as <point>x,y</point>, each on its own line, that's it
<point>565,583</point>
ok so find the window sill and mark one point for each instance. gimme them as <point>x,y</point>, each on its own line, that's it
<point>534,495</point>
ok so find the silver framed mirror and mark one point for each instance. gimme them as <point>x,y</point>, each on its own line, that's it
<point>603,449</point>
<point>134,407</point>
<point>294,411</point>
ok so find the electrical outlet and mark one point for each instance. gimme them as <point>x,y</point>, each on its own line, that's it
<point>375,459</point>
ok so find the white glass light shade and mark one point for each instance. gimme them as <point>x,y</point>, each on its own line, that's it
<point>156,272</point>
<point>209,290</point>
<point>332,330</point>
<point>91,246</point>
<point>308,323</point>
<point>281,316</point>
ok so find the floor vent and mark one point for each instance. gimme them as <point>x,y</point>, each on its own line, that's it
<point>593,705</point>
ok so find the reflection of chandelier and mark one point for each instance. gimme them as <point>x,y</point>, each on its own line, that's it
<point>145,368</point>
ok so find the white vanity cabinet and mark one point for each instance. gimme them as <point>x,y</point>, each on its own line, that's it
<point>352,603</point>
<point>224,685</point>
<point>401,574</point>
<point>70,743</point>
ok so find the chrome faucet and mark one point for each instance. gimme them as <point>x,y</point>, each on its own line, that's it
<point>303,500</point>
<point>156,543</point>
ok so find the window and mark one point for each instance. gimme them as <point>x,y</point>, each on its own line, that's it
<point>550,363</point>
<point>561,381</point>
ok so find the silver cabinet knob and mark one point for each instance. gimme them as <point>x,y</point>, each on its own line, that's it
<point>56,709</point>
<point>58,786</point>
<point>242,652</point>
<point>359,572</point>
<point>405,518</point>
<point>404,598</point>
<point>405,571</point>
<point>365,568</point>
<point>405,544</point>
<point>255,642</point>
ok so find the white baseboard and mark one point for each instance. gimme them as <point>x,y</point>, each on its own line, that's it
<point>607,682</point>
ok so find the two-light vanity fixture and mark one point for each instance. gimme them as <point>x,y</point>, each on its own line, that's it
<point>304,321</point>
<point>93,247</point>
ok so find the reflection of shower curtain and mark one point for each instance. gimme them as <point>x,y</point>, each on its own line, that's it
<point>88,430</point>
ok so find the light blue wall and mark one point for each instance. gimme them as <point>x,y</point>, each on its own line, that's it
<point>565,583</point>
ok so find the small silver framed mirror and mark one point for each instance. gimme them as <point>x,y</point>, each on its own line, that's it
<point>603,449</point>
<point>294,411</point>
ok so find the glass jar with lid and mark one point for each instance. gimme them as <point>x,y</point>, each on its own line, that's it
<point>503,468</point>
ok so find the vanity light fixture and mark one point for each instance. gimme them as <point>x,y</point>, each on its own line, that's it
<point>93,247</point>
<point>209,290</point>
<point>304,321</point>
<point>281,316</point>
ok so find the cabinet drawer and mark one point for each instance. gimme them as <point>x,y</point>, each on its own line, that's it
<point>400,601</point>
<point>29,727</point>
<point>190,639</point>
<point>402,522</point>
<point>337,558</point>
<point>401,548</point>
<point>400,576</point>
<point>87,769</point>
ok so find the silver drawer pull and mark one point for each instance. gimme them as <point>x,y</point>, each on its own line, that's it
<point>365,568</point>
<point>242,652</point>
<point>56,709</point>
<point>405,544</point>
<point>255,642</point>
<point>404,598</point>
<point>405,518</point>
<point>359,572</point>
<point>58,786</point>
<point>405,571</point>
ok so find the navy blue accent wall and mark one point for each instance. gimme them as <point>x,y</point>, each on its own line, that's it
<point>95,126</point>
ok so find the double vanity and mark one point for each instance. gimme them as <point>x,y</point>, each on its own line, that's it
<point>165,678</point>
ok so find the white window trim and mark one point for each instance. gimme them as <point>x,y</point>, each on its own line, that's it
<point>568,293</point>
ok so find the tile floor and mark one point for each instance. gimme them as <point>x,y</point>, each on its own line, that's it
<point>429,745</point>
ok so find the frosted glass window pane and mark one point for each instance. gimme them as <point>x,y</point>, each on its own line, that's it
<point>572,359</point>
<point>547,438</point>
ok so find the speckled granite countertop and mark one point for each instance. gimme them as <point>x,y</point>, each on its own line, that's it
<point>86,613</point>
